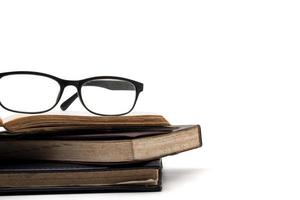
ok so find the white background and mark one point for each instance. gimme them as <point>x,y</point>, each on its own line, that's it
<point>231,66</point>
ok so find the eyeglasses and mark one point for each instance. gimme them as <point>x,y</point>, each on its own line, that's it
<point>34,92</point>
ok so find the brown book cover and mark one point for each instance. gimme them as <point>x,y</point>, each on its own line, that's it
<point>53,123</point>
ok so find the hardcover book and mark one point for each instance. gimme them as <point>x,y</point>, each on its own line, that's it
<point>101,146</point>
<point>49,177</point>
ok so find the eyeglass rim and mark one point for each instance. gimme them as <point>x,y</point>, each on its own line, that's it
<point>63,83</point>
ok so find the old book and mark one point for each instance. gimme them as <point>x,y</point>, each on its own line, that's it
<point>54,123</point>
<point>133,147</point>
<point>50,177</point>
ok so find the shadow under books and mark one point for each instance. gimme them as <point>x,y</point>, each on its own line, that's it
<point>177,176</point>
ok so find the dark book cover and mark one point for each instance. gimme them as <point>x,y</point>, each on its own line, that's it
<point>101,146</point>
<point>14,174</point>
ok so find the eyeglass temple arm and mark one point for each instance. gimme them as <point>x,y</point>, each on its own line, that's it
<point>111,85</point>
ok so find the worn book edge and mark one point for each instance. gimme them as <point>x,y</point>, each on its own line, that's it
<point>49,122</point>
<point>153,147</point>
<point>133,150</point>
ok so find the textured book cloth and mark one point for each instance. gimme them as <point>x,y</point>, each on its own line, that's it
<point>49,177</point>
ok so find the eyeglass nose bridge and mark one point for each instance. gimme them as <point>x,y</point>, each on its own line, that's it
<point>66,83</point>
<point>70,100</point>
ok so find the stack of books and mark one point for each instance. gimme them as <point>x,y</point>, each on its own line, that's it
<point>64,153</point>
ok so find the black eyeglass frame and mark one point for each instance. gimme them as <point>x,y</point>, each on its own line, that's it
<point>63,83</point>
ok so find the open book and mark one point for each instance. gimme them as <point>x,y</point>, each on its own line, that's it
<point>54,123</point>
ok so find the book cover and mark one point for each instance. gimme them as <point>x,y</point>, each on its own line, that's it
<point>29,177</point>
